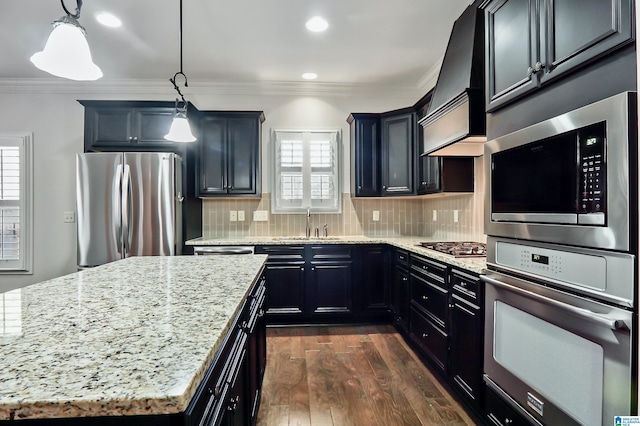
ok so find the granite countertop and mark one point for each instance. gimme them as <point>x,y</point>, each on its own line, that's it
<point>412,244</point>
<point>130,337</point>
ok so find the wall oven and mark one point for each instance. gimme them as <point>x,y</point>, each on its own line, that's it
<point>567,179</point>
<point>561,311</point>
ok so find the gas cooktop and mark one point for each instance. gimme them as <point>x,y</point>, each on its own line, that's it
<point>458,248</point>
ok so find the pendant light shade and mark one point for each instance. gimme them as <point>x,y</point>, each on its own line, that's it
<point>67,53</point>
<point>180,130</point>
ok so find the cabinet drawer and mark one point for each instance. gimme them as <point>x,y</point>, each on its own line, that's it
<point>436,272</point>
<point>431,298</point>
<point>466,285</point>
<point>402,258</point>
<point>331,252</point>
<point>499,413</point>
<point>282,253</point>
<point>429,338</point>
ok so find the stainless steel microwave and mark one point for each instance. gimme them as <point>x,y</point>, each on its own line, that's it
<point>567,179</point>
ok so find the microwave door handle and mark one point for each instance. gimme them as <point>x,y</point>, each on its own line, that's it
<point>598,319</point>
<point>116,207</point>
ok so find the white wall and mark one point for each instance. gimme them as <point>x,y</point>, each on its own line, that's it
<point>53,115</point>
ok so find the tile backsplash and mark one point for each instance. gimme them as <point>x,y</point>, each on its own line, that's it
<point>410,216</point>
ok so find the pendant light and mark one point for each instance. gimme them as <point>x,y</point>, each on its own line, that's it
<point>67,53</point>
<point>180,130</point>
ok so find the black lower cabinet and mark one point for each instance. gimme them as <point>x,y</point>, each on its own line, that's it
<point>330,288</point>
<point>309,283</point>
<point>371,283</point>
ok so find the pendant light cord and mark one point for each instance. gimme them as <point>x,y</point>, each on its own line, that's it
<point>173,80</point>
<point>79,6</point>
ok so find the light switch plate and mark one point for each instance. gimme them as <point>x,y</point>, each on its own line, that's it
<point>435,215</point>
<point>233,216</point>
<point>240,215</point>
<point>260,216</point>
<point>376,215</point>
<point>69,217</point>
<point>455,216</point>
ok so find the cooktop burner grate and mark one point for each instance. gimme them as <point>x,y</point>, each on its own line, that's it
<point>458,248</point>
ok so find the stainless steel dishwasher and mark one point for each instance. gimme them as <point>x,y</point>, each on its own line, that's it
<point>222,250</point>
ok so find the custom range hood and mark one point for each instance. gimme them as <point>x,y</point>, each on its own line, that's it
<point>455,123</point>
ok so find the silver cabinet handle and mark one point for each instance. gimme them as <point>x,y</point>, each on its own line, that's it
<point>530,71</point>
<point>598,319</point>
<point>539,66</point>
<point>425,297</point>
<point>425,335</point>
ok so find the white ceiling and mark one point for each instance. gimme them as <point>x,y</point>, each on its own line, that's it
<point>389,43</point>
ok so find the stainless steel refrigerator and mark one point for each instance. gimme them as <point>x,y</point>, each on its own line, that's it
<point>129,204</point>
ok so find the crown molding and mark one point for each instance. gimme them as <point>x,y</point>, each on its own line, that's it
<point>163,88</point>
<point>430,78</point>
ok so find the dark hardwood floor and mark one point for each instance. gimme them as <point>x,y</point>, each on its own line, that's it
<point>350,375</point>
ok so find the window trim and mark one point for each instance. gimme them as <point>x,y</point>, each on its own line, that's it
<point>25,263</point>
<point>306,171</point>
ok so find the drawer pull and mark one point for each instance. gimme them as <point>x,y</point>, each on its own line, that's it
<point>425,297</point>
<point>425,335</point>
<point>507,421</point>
<point>404,278</point>
<point>424,267</point>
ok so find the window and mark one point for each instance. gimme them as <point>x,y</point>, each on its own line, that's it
<point>15,203</point>
<point>306,172</point>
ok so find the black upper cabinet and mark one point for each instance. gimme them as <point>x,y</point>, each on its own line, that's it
<point>398,153</point>
<point>229,153</point>
<point>383,153</point>
<point>365,154</point>
<point>531,42</point>
<point>128,125</point>
<point>446,174</point>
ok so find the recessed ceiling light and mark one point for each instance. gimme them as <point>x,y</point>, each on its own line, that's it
<point>317,24</point>
<point>108,20</point>
<point>309,75</point>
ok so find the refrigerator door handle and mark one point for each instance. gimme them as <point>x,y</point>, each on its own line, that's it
<point>126,209</point>
<point>117,207</point>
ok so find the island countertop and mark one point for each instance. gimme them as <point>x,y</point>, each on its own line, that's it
<point>130,337</point>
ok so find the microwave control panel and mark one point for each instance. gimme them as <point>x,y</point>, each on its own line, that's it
<point>592,141</point>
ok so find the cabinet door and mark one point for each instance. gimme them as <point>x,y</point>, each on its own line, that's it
<point>152,124</point>
<point>575,32</point>
<point>213,156</point>
<point>108,127</point>
<point>330,288</point>
<point>398,153</point>
<point>511,50</point>
<point>242,155</point>
<point>365,152</point>
<point>401,298</point>
<point>429,175</point>
<point>285,290</point>
<point>374,286</point>
<point>466,341</point>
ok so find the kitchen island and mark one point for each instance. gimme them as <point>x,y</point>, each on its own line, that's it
<point>132,337</point>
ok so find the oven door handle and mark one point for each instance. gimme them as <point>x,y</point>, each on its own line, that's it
<point>599,319</point>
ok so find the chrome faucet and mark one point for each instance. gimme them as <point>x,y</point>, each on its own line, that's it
<point>308,223</point>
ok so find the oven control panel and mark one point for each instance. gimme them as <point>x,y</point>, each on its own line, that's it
<point>577,269</point>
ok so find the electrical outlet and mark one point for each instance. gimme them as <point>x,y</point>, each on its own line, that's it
<point>240,215</point>
<point>434,217</point>
<point>455,216</point>
<point>260,216</point>
<point>233,216</point>
<point>376,215</point>
<point>69,217</point>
